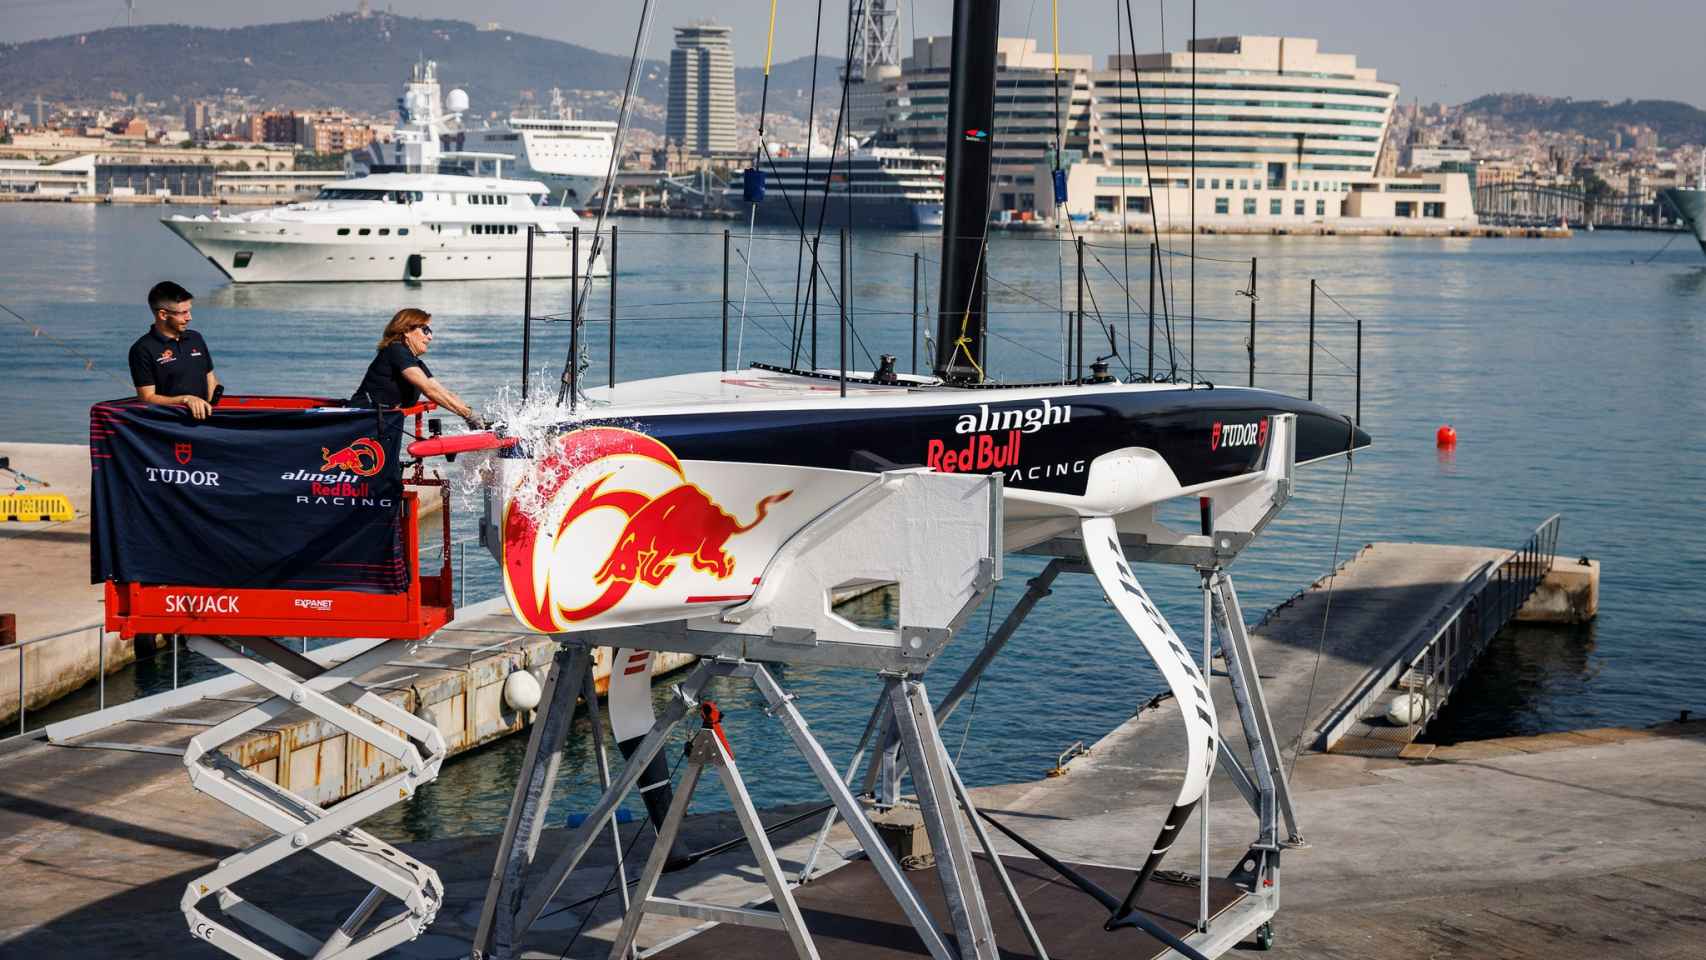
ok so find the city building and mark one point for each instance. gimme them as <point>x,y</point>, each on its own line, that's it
<point>1036,107</point>
<point>278,186</point>
<point>155,179</point>
<point>197,117</point>
<point>1269,132</point>
<point>330,132</point>
<point>272,127</point>
<point>1437,158</point>
<point>701,120</point>
<point>50,147</point>
<point>73,177</point>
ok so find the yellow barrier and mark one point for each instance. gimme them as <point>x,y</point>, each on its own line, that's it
<point>33,507</point>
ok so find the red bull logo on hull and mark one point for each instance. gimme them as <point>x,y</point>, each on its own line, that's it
<point>681,525</point>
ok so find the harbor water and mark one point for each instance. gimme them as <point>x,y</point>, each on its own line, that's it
<point>1571,370</point>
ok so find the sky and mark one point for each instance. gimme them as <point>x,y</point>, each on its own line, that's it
<point>1445,50</point>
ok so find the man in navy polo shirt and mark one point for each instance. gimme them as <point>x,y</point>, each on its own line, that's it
<point>170,364</point>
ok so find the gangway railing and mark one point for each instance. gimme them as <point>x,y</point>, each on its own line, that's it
<point>1431,670</point>
<point>1495,596</point>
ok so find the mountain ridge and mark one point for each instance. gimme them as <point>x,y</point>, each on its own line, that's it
<point>1675,122</point>
<point>349,62</point>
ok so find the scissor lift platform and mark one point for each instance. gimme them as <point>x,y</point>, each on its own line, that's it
<point>239,627</point>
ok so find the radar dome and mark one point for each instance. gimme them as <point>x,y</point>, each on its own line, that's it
<point>457,101</point>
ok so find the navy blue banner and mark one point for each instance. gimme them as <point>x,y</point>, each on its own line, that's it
<point>280,499</point>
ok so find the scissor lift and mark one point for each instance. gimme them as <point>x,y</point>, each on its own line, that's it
<point>248,643</point>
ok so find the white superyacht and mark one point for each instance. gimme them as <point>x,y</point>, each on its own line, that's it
<point>395,226</point>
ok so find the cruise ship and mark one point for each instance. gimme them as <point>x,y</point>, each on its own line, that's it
<point>395,226</point>
<point>867,186</point>
<point>571,156</point>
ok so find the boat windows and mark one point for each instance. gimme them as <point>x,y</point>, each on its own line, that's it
<point>242,259</point>
<point>385,231</point>
<point>346,193</point>
<point>402,231</point>
<point>343,231</point>
<point>363,232</point>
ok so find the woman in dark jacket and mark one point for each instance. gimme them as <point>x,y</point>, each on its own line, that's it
<point>398,377</point>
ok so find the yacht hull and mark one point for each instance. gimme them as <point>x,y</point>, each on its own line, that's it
<point>646,518</point>
<point>314,253</point>
<point>785,210</point>
<point>1692,205</point>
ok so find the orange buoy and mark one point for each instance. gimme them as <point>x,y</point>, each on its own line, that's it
<point>1445,436</point>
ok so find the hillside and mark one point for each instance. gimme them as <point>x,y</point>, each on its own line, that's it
<point>1677,123</point>
<point>349,62</point>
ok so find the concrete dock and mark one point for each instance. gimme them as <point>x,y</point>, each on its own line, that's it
<point>1584,844</point>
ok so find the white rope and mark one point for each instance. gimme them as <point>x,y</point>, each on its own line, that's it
<point>745,284</point>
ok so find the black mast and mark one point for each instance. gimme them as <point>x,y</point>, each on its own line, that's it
<point>965,215</point>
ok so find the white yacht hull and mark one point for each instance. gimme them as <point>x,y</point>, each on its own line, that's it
<point>314,253</point>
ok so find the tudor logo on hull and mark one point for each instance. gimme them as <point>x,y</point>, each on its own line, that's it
<point>1252,434</point>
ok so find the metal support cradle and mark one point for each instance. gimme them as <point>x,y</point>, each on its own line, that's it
<point>935,516</point>
<point>902,733</point>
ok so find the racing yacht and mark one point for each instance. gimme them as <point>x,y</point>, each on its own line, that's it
<point>685,499</point>
<point>395,226</point>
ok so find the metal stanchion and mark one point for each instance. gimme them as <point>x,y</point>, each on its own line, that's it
<point>1311,394</point>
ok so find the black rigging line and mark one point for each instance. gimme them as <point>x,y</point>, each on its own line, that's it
<point>805,178</point>
<point>1332,578</point>
<point>1193,198</point>
<point>1149,176</point>
<point>570,375</point>
<point>38,331</point>
<point>1116,919</point>
<point>1125,234</point>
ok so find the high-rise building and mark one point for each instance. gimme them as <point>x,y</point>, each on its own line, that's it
<point>196,116</point>
<point>1037,108</point>
<point>702,92</point>
<point>1246,128</point>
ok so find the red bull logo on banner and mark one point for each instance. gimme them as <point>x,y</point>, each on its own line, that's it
<point>364,458</point>
<point>680,526</point>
